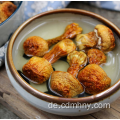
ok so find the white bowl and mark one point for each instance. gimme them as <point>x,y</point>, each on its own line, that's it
<point>48,25</point>
<point>8,26</point>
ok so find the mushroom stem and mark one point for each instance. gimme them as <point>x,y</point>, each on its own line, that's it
<point>54,41</point>
<point>74,69</point>
<point>53,55</point>
<point>77,61</point>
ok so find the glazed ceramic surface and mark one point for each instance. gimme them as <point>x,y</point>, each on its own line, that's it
<point>12,23</point>
<point>50,26</point>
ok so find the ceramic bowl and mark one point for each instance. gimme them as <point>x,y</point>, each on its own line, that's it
<point>8,26</point>
<point>48,25</point>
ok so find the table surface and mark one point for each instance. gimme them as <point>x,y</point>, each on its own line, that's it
<point>12,105</point>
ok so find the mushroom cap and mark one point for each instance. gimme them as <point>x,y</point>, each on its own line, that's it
<point>35,46</point>
<point>72,30</point>
<point>65,84</point>
<point>37,69</point>
<point>96,56</point>
<point>106,40</point>
<point>66,45</point>
<point>94,78</point>
<point>76,57</point>
<point>84,41</point>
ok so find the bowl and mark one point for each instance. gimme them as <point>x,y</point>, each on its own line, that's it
<point>48,25</point>
<point>8,26</point>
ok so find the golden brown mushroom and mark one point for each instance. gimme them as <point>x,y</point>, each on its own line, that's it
<point>37,46</point>
<point>96,56</point>
<point>106,40</point>
<point>6,10</point>
<point>71,31</point>
<point>37,69</point>
<point>77,61</point>
<point>65,84</point>
<point>85,41</point>
<point>102,38</point>
<point>61,49</point>
<point>94,78</point>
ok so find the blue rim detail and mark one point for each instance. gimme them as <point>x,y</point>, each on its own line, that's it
<point>12,14</point>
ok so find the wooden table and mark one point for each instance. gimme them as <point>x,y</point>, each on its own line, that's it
<point>14,102</point>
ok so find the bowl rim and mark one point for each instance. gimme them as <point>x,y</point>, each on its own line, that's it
<point>12,14</point>
<point>50,98</point>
